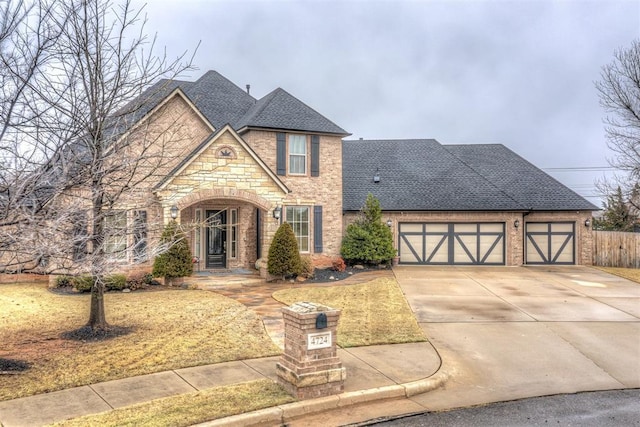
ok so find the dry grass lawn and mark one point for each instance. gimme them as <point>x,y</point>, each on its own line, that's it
<point>191,408</point>
<point>171,329</point>
<point>628,273</point>
<point>375,312</point>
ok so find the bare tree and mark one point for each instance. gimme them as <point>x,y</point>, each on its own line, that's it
<point>93,145</point>
<point>619,92</point>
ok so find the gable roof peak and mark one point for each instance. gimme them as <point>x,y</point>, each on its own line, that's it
<point>280,110</point>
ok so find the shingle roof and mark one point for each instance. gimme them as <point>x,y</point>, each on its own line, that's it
<point>218,99</point>
<point>421,174</point>
<point>281,110</point>
<point>222,102</point>
<point>518,178</point>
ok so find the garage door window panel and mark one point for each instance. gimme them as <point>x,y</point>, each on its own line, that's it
<point>411,248</point>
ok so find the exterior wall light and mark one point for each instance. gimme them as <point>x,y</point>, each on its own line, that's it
<point>174,212</point>
<point>587,222</point>
<point>516,223</point>
<point>277,212</point>
<point>389,223</point>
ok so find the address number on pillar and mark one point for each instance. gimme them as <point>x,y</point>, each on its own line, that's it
<point>320,340</point>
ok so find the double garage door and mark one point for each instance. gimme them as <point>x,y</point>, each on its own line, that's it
<point>452,243</point>
<point>483,243</point>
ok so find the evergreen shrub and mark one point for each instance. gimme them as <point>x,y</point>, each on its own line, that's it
<point>368,240</point>
<point>176,260</point>
<point>284,255</point>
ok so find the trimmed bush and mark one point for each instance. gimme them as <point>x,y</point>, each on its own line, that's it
<point>284,255</point>
<point>63,281</point>
<point>338,265</point>
<point>139,280</point>
<point>82,283</point>
<point>368,240</point>
<point>176,260</point>
<point>306,266</point>
<point>115,282</point>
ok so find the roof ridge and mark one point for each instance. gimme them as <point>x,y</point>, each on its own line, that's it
<point>258,107</point>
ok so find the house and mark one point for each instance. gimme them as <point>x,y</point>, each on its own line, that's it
<point>237,167</point>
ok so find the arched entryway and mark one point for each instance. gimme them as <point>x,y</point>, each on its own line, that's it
<point>226,231</point>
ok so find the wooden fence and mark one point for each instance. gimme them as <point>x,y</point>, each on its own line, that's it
<point>616,249</point>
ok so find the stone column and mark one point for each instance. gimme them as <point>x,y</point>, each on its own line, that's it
<point>309,366</point>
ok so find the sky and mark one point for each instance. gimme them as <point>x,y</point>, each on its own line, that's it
<point>517,73</point>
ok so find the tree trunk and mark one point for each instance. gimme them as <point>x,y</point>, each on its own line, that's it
<point>97,318</point>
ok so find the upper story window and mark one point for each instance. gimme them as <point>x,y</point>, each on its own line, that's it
<point>297,154</point>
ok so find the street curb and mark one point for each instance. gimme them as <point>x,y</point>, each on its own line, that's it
<point>285,413</point>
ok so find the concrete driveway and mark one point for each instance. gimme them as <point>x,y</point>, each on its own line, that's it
<point>511,332</point>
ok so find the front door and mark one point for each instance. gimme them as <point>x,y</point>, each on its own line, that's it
<point>216,239</point>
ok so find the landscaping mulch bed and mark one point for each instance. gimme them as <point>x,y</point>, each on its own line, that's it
<point>325,275</point>
<point>12,366</point>
<point>86,334</point>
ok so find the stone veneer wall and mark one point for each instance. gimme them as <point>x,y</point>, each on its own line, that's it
<point>238,181</point>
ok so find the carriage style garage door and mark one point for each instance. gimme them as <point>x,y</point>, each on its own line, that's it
<point>550,243</point>
<point>452,243</point>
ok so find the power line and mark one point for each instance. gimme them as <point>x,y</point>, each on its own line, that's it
<point>581,168</point>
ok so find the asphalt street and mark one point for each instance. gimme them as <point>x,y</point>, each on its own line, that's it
<point>601,409</point>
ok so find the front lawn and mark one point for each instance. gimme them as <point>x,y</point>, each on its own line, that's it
<point>170,329</point>
<point>374,312</point>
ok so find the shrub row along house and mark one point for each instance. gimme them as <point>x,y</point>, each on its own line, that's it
<point>236,167</point>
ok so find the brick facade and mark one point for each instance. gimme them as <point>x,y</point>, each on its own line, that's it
<point>304,370</point>
<point>324,190</point>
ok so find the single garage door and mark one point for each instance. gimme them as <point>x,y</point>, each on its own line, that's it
<point>451,243</point>
<point>550,243</point>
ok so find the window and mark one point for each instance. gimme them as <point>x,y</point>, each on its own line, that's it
<point>234,233</point>
<point>298,217</point>
<point>292,154</point>
<point>80,236</point>
<point>197,241</point>
<point>297,154</point>
<point>115,234</point>
<point>140,236</point>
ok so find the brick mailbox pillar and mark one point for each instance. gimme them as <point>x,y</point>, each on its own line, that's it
<point>309,366</point>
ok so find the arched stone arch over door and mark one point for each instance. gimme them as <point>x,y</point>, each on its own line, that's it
<point>225,193</point>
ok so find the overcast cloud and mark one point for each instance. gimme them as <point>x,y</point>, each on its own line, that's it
<point>518,73</point>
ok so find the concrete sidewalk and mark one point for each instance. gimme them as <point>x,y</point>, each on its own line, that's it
<point>375,372</point>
